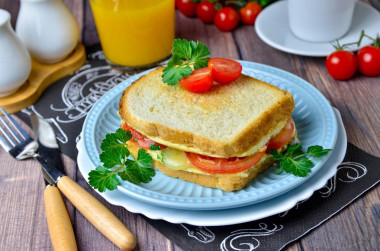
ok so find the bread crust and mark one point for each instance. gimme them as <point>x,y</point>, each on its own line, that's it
<point>191,141</point>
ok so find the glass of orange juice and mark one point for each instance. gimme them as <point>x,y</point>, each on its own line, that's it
<point>135,34</point>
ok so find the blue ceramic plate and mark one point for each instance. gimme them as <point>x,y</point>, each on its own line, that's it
<point>235,215</point>
<point>314,118</point>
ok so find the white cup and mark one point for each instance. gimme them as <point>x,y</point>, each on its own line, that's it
<point>320,20</point>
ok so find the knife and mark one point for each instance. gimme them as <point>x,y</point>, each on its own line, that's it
<point>59,224</point>
<point>94,211</point>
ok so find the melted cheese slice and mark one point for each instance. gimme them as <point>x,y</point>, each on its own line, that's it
<point>175,160</point>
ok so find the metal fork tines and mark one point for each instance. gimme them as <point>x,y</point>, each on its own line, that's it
<point>14,139</point>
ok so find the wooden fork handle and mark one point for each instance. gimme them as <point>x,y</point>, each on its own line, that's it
<point>60,228</point>
<point>96,213</point>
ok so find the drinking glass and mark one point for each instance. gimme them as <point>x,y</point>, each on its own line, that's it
<point>135,34</point>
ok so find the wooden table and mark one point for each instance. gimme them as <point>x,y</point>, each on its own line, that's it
<point>23,224</point>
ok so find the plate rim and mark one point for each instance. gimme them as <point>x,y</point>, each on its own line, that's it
<point>214,205</point>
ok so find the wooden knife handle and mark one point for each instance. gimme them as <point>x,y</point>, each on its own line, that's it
<point>60,228</point>
<point>96,213</point>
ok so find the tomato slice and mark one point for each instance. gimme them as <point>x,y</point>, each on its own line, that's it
<point>139,139</point>
<point>223,165</point>
<point>199,81</point>
<point>225,70</point>
<point>283,137</point>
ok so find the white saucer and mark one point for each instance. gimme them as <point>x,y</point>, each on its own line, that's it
<point>272,27</point>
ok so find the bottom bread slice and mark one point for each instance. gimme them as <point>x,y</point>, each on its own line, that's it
<point>227,182</point>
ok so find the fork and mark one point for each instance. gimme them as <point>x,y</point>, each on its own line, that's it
<point>18,143</point>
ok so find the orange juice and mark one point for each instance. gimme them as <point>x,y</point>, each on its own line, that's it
<point>135,33</point>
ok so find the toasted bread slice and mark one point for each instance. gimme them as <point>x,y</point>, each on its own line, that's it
<point>228,120</point>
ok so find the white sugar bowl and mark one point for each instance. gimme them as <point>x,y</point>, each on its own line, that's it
<point>48,29</point>
<point>15,62</point>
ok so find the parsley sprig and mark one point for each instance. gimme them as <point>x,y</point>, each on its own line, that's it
<point>296,161</point>
<point>117,160</point>
<point>186,57</point>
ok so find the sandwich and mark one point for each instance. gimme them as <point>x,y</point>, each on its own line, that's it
<point>219,139</point>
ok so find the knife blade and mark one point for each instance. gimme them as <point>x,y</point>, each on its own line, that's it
<point>92,209</point>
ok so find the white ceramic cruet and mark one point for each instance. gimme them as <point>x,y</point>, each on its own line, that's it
<point>15,62</point>
<point>48,29</point>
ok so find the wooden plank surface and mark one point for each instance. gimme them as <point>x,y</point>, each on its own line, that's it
<point>23,224</point>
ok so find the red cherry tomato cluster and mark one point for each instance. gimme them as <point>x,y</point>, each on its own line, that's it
<point>342,64</point>
<point>221,70</point>
<point>224,14</point>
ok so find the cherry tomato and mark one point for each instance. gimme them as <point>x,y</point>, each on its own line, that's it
<point>341,64</point>
<point>225,70</point>
<point>206,12</point>
<point>186,7</point>
<point>222,165</point>
<point>139,139</point>
<point>369,61</point>
<point>199,81</point>
<point>249,13</point>
<point>283,137</point>
<point>226,19</point>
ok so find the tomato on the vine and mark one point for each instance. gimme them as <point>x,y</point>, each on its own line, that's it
<point>341,64</point>
<point>206,12</point>
<point>369,61</point>
<point>249,13</point>
<point>225,70</point>
<point>186,7</point>
<point>199,81</point>
<point>226,19</point>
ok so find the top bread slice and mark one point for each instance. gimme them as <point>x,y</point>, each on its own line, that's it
<point>228,120</point>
